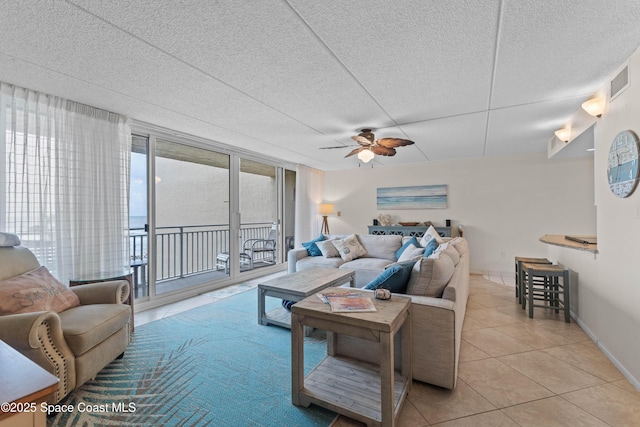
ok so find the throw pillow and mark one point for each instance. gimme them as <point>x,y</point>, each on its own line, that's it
<point>410,253</point>
<point>8,240</point>
<point>394,278</point>
<point>431,247</point>
<point>412,241</point>
<point>312,248</point>
<point>430,276</point>
<point>430,234</point>
<point>349,248</point>
<point>327,249</point>
<point>36,290</point>
<point>448,249</point>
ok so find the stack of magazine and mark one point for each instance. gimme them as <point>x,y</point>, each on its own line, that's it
<point>345,301</point>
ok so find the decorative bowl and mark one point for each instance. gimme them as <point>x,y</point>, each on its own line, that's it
<point>409,224</point>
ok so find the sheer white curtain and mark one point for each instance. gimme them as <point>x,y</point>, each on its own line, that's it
<point>309,187</point>
<point>65,168</point>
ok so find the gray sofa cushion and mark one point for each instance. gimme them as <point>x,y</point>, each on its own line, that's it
<point>430,276</point>
<point>380,246</point>
<point>318,261</point>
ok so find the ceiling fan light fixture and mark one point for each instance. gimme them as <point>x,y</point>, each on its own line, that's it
<point>366,155</point>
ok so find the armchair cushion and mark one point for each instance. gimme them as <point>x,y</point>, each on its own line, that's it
<point>86,326</point>
<point>36,290</point>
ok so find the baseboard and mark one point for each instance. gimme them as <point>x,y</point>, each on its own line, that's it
<point>607,353</point>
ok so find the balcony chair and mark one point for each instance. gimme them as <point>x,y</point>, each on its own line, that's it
<point>71,332</point>
<point>256,249</point>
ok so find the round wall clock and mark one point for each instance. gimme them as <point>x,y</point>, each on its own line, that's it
<point>622,169</point>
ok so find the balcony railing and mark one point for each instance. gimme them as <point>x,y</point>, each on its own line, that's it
<point>186,250</point>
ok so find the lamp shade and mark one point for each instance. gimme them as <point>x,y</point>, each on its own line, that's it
<point>563,134</point>
<point>594,106</point>
<point>325,208</point>
<point>366,155</point>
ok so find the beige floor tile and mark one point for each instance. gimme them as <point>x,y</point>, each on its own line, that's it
<point>438,404</point>
<point>491,317</point>
<point>471,324</point>
<point>494,342</point>
<point>553,374</point>
<point>537,338</point>
<point>554,411</point>
<point>572,330</point>
<point>500,384</point>
<point>490,300</point>
<point>488,419</point>
<point>469,352</point>
<point>626,386</point>
<point>411,417</point>
<point>609,403</point>
<point>588,357</point>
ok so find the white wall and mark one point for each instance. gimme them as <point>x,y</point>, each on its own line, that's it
<point>505,203</point>
<point>609,299</point>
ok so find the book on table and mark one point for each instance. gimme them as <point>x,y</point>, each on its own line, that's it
<point>340,304</point>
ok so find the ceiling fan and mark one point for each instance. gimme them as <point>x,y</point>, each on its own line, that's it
<point>369,146</point>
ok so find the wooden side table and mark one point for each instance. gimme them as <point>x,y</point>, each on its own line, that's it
<point>333,382</point>
<point>25,385</point>
<point>108,276</point>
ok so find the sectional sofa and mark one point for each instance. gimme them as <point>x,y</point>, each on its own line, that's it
<point>436,319</point>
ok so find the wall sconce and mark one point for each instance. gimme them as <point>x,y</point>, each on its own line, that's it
<point>325,209</point>
<point>366,155</point>
<point>563,134</point>
<point>594,106</point>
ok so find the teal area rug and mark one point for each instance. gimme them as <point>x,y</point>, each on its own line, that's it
<point>209,366</point>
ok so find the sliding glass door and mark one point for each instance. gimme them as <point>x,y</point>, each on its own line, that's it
<point>199,216</point>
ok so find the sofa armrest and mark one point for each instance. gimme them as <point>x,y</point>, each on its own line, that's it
<point>113,292</point>
<point>292,258</point>
<point>38,336</point>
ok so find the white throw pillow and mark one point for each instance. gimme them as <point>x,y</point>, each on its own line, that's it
<point>410,253</point>
<point>327,249</point>
<point>431,233</point>
<point>349,248</point>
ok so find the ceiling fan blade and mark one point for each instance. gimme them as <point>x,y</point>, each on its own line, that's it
<point>383,151</point>
<point>337,146</point>
<point>393,142</point>
<point>362,140</point>
<point>356,151</point>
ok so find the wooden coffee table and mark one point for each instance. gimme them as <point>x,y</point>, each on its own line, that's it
<point>296,287</point>
<point>366,392</point>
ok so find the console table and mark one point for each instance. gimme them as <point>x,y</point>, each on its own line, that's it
<point>399,230</point>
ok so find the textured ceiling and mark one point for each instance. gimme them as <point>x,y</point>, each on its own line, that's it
<point>461,78</point>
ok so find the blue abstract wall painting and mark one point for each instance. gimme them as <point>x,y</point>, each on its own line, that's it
<point>414,197</point>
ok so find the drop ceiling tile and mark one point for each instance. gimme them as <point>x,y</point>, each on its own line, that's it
<point>549,49</point>
<point>527,128</point>
<point>419,60</point>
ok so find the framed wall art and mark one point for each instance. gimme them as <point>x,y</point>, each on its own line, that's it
<point>413,197</point>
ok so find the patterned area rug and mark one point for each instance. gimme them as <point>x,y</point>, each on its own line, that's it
<point>210,366</point>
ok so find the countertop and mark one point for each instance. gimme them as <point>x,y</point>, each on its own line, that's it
<point>561,240</point>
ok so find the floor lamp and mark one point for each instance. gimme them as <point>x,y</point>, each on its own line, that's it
<point>325,209</point>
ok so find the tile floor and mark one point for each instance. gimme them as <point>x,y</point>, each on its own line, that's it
<point>514,371</point>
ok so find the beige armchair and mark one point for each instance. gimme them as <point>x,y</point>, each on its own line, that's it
<point>76,343</point>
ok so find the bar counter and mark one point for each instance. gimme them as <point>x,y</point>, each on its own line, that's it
<point>560,240</point>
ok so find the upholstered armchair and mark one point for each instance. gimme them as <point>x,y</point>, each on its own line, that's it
<point>78,330</point>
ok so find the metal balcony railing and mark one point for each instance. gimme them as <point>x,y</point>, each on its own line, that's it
<point>186,250</point>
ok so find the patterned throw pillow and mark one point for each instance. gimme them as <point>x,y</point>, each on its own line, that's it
<point>36,290</point>
<point>349,248</point>
<point>430,234</point>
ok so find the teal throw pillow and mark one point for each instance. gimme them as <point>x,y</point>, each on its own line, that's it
<point>312,248</point>
<point>394,278</point>
<point>413,241</point>
<point>431,247</point>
